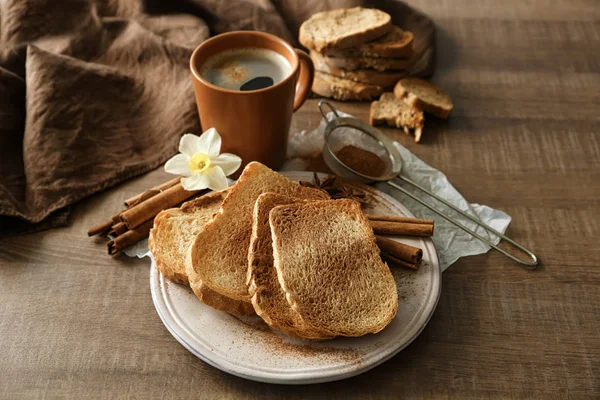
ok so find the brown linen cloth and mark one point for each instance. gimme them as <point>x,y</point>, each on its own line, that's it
<point>93,93</point>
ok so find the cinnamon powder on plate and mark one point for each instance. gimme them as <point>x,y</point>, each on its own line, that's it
<point>360,160</point>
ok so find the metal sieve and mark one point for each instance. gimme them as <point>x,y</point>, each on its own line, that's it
<point>366,137</point>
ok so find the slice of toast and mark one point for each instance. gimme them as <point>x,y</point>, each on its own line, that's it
<point>327,85</point>
<point>344,28</point>
<point>329,267</point>
<point>376,63</point>
<point>424,95</point>
<point>395,44</point>
<point>385,79</point>
<point>268,298</point>
<point>175,229</point>
<point>392,111</point>
<point>217,261</point>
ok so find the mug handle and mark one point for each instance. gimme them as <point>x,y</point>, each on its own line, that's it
<point>305,80</point>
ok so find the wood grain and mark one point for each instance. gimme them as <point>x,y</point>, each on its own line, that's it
<point>524,138</point>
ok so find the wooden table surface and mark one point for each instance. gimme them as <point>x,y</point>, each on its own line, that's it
<point>523,138</point>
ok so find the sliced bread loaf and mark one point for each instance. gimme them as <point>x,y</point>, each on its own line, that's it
<point>217,261</point>
<point>379,64</point>
<point>424,95</point>
<point>343,28</point>
<point>268,298</point>
<point>329,267</point>
<point>385,79</point>
<point>175,229</point>
<point>392,111</point>
<point>327,85</point>
<point>395,44</point>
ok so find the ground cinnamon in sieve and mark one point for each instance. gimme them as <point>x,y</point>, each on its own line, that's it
<point>361,160</point>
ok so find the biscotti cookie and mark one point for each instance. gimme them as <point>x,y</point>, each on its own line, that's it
<point>386,79</point>
<point>344,28</point>
<point>394,112</point>
<point>424,95</point>
<point>395,44</point>
<point>379,64</point>
<point>343,89</point>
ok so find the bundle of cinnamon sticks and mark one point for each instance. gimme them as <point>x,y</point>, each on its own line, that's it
<point>396,252</point>
<point>133,224</point>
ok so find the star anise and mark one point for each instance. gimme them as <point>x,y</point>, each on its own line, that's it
<point>326,185</point>
<point>335,189</point>
<point>346,193</point>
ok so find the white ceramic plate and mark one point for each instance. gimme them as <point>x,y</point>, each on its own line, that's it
<point>247,347</point>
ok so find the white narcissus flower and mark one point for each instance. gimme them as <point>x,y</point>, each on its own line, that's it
<point>200,164</point>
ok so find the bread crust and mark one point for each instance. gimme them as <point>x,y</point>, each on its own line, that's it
<point>312,39</point>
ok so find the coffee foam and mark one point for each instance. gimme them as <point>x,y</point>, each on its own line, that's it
<point>232,68</point>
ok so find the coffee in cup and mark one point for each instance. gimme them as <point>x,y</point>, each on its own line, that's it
<point>246,69</point>
<point>247,85</point>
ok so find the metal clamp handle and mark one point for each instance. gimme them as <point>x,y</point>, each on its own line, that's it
<point>480,223</point>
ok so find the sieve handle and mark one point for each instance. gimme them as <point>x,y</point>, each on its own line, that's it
<point>323,113</point>
<point>534,259</point>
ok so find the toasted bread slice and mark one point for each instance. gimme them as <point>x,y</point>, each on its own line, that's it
<point>329,267</point>
<point>424,95</point>
<point>386,79</point>
<point>175,229</point>
<point>343,89</point>
<point>395,44</point>
<point>217,261</point>
<point>344,27</point>
<point>395,112</point>
<point>268,298</point>
<point>378,64</point>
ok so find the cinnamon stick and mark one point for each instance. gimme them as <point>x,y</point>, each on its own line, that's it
<point>410,254</point>
<point>100,228</point>
<point>146,210</point>
<point>397,261</point>
<point>118,229</point>
<point>130,237</point>
<point>106,226</point>
<point>138,198</point>
<point>401,228</point>
<point>116,218</point>
<point>393,218</point>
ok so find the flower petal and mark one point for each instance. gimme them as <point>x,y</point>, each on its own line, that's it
<point>210,143</point>
<point>228,162</point>
<point>194,182</point>
<point>178,165</point>
<point>215,178</point>
<point>189,144</point>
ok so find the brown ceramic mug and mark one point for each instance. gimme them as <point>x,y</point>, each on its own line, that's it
<point>253,124</point>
